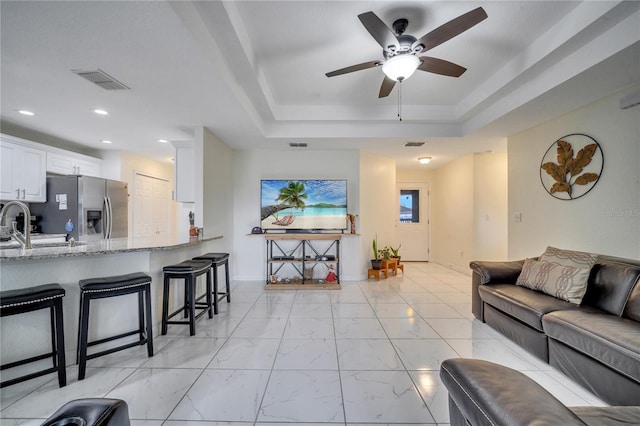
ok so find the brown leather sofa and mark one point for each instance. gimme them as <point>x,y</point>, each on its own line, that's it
<point>483,393</point>
<point>596,343</point>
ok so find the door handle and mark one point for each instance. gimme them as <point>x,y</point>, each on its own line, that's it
<point>108,225</point>
<point>24,194</point>
<point>110,218</point>
<point>105,225</point>
<point>18,193</point>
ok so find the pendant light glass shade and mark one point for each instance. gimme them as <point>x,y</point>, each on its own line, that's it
<point>400,67</point>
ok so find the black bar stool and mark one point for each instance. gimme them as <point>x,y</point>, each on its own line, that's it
<point>19,301</point>
<point>189,271</point>
<point>100,288</point>
<point>218,259</point>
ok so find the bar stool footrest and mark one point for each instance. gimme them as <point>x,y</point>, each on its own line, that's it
<point>27,361</point>
<point>28,377</point>
<point>118,349</point>
<point>119,336</point>
<point>202,307</point>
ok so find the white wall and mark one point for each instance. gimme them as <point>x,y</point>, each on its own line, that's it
<point>111,165</point>
<point>414,175</point>
<point>469,211</point>
<point>218,188</point>
<point>378,204</point>
<point>249,167</point>
<point>490,201</point>
<point>607,219</point>
<point>452,213</point>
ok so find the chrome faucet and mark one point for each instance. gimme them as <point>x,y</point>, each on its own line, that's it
<point>23,239</point>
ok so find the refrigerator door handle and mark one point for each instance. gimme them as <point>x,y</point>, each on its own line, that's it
<point>107,218</point>
<point>110,217</point>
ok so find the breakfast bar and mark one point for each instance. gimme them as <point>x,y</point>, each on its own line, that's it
<point>68,264</point>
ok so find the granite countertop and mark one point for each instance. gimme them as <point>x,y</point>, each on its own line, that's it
<point>93,248</point>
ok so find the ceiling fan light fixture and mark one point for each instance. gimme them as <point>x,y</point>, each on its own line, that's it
<point>400,67</point>
<point>424,160</point>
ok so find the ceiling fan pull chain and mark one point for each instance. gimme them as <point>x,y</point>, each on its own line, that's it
<point>400,99</point>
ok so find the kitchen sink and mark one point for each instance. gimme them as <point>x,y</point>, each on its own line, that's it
<point>37,244</point>
<point>41,241</point>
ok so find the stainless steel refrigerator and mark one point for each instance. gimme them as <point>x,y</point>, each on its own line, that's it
<point>93,208</point>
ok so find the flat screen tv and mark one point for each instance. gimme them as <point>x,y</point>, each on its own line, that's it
<point>303,204</point>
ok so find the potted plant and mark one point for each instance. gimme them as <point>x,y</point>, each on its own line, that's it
<point>394,252</point>
<point>385,253</point>
<point>376,262</point>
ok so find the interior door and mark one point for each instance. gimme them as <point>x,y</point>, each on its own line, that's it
<point>412,222</point>
<point>152,206</point>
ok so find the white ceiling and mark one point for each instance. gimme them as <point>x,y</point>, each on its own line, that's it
<point>253,72</point>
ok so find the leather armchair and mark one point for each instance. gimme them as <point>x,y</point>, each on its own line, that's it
<point>484,393</point>
<point>91,412</point>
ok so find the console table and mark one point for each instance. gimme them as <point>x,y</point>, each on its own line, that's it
<point>303,253</point>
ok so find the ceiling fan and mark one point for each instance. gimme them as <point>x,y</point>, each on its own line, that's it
<point>401,50</point>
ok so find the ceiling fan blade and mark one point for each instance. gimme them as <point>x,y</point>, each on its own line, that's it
<point>440,66</point>
<point>387,87</point>
<point>352,68</point>
<point>451,29</point>
<point>379,31</point>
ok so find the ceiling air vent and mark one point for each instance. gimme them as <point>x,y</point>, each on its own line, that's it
<point>101,78</point>
<point>413,144</point>
<point>630,100</point>
<point>298,144</point>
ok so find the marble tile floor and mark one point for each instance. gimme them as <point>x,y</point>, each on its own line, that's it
<point>368,354</point>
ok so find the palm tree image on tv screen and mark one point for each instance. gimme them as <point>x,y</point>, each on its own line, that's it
<point>303,204</point>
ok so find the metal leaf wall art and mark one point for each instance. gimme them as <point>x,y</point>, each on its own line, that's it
<point>571,176</point>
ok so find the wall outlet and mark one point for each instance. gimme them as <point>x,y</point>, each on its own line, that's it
<point>517,217</point>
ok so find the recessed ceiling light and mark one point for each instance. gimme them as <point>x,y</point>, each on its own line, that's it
<point>163,140</point>
<point>424,160</point>
<point>25,112</point>
<point>106,141</point>
<point>100,111</point>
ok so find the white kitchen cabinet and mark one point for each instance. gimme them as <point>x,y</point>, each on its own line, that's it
<point>68,163</point>
<point>24,171</point>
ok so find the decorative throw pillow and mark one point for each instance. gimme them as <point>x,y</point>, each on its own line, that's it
<point>560,281</point>
<point>577,259</point>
